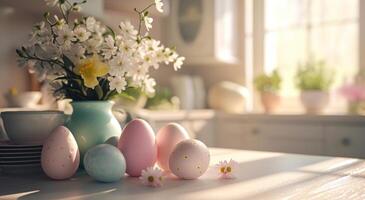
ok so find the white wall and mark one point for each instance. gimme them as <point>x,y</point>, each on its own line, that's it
<point>13,33</point>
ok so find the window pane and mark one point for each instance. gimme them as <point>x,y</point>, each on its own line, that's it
<point>285,13</point>
<point>284,50</point>
<point>338,46</point>
<point>299,30</point>
<point>333,10</point>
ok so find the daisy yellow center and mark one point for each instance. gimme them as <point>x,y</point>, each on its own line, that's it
<point>223,169</point>
<point>229,169</point>
<point>150,179</point>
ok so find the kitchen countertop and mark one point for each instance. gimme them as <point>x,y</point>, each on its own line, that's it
<point>261,175</point>
<point>206,114</point>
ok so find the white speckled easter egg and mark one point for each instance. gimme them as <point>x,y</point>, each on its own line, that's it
<point>167,138</point>
<point>189,159</point>
<point>105,163</point>
<point>138,145</point>
<point>60,154</point>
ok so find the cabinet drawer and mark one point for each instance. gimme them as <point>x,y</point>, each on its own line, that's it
<point>237,135</point>
<point>306,139</point>
<point>346,141</point>
<point>292,138</point>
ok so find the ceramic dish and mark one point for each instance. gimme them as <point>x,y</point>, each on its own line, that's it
<point>24,99</point>
<point>31,127</point>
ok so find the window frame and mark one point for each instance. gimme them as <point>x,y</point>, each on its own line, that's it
<point>255,65</point>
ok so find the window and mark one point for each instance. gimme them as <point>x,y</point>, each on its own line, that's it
<point>288,32</point>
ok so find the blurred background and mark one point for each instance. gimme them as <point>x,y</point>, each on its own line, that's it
<point>276,75</point>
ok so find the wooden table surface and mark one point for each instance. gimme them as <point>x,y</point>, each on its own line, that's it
<point>262,175</point>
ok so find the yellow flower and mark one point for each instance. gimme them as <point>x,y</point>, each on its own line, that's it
<point>91,68</point>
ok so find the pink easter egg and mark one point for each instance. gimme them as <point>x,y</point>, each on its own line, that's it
<point>137,144</point>
<point>167,138</point>
<point>60,154</point>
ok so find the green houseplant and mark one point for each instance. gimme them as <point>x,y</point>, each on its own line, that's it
<point>90,63</point>
<point>269,85</point>
<point>314,81</point>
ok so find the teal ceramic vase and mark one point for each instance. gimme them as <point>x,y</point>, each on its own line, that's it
<point>92,123</point>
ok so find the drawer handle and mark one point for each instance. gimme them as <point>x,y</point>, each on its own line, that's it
<point>346,142</point>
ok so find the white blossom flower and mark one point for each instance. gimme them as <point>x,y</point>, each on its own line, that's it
<point>149,59</point>
<point>60,23</point>
<point>81,33</point>
<point>93,44</point>
<point>149,84</point>
<point>90,23</point>
<point>137,73</point>
<point>179,61</point>
<point>127,46</point>
<point>227,170</point>
<point>65,38</point>
<point>77,52</point>
<point>117,83</point>
<point>148,22</point>
<point>152,177</point>
<point>128,30</point>
<point>159,5</point>
<point>52,3</point>
<point>119,65</point>
<point>99,28</point>
<point>110,49</point>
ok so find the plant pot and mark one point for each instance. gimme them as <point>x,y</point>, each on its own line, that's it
<point>269,101</point>
<point>314,101</point>
<point>92,123</point>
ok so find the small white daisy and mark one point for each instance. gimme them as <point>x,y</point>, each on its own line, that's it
<point>227,170</point>
<point>152,176</point>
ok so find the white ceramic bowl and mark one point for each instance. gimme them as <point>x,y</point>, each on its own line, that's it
<point>24,99</point>
<point>31,127</point>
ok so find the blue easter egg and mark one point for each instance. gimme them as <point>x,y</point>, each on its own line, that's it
<point>105,163</point>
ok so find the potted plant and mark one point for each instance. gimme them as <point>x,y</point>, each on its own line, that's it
<point>269,86</point>
<point>314,82</point>
<point>90,63</point>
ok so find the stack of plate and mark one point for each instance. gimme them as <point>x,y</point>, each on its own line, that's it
<point>14,156</point>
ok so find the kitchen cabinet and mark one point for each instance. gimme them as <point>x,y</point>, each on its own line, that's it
<point>271,136</point>
<point>304,134</point>
<point>345,140</point>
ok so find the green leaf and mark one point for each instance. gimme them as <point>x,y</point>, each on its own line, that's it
<point>67,62</point>
<point>99,92</point>
<point>20,53</point>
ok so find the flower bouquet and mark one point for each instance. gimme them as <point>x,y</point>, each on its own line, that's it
<point>90,63</point>
<point>86,60</point>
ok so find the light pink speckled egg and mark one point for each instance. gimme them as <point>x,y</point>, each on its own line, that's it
<point>189,159</point>
<point>60,154</point>
<point>167,138</point>
<point>137,144</point>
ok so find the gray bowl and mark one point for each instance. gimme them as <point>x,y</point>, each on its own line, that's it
<point>31,127</point>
